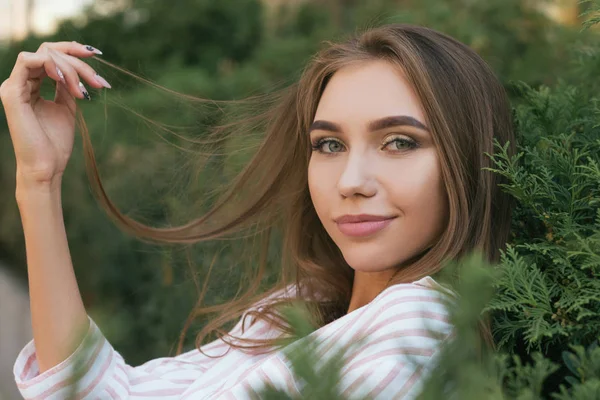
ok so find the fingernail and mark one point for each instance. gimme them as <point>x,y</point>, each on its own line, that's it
<point>60,75</point>
<point>102,81</point>
<point>93,49</point>
<point>84,91</point>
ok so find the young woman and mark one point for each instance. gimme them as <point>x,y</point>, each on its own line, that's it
<point>372,167</point>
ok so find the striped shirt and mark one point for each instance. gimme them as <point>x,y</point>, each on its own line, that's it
<point>402,328</point>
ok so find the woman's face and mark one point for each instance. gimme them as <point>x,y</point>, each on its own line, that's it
<point>374,159</point>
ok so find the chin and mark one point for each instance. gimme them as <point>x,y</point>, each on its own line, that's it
<point>368,258</point>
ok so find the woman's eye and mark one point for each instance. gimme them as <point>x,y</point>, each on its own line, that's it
<point>401,144</point>
<point>328,146</point>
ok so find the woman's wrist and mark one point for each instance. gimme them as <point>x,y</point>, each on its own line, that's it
<point>29,191</point>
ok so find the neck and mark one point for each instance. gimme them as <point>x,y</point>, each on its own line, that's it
<point>366,286</point>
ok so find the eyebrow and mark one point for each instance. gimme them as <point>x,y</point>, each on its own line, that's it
<point>378,124</point>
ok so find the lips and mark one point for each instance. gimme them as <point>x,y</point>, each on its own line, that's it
<point>362,225</point>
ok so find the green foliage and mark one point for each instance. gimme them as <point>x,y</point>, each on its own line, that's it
<point>592,12</point>
<point>524,291</point>
<point>548,290</point>
<point>584,365</point>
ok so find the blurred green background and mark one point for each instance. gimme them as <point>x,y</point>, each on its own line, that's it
<point>141,294</point>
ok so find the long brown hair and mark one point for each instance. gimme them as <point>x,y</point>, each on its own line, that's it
<point>465,107</point>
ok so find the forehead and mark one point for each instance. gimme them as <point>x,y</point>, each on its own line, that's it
<point>365,91</point>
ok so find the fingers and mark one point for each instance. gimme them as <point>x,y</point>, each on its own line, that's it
<point>71,48</point>
<point>59,61</point>
<point>25,77</point>
<point>75,71</point>
<point>86,72</point>
<point>71,78</point>
<point>63,96</point>
<point>32,66</point>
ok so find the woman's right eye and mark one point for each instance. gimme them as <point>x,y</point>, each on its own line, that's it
<point>328,146</point>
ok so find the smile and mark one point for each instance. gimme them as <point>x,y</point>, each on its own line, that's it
<point>364,228</point>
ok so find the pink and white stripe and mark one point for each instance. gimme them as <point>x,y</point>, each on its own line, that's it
<point>401,332</point>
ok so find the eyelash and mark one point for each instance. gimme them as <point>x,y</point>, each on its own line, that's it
<point>317,145</point>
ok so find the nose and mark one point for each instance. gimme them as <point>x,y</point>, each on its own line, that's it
<point>357,177</point>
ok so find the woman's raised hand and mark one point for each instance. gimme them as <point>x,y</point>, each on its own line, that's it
<point>42,131</point>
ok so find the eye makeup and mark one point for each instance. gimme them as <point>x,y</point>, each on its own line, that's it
<point>319,144</point>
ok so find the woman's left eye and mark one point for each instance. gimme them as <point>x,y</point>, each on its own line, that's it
<point>400,143</point>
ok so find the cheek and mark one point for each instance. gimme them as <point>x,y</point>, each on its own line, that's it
<point>418,192</point>
<point>320,186</point>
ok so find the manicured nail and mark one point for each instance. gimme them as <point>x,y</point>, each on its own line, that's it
<point>60,75</point>
<point>93,49</point>
<point>102,81</point>
<point>84,91</point>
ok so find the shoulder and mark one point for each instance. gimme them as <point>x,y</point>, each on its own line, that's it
<point>425,293</point>
<point>251,324</point>
<point>419,308</point>
<point>286,292</point>
<point>397,340</point>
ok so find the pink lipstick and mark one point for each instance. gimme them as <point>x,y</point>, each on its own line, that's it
<point>363,224</point>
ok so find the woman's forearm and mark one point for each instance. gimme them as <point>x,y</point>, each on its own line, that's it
<point>58,316</point>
